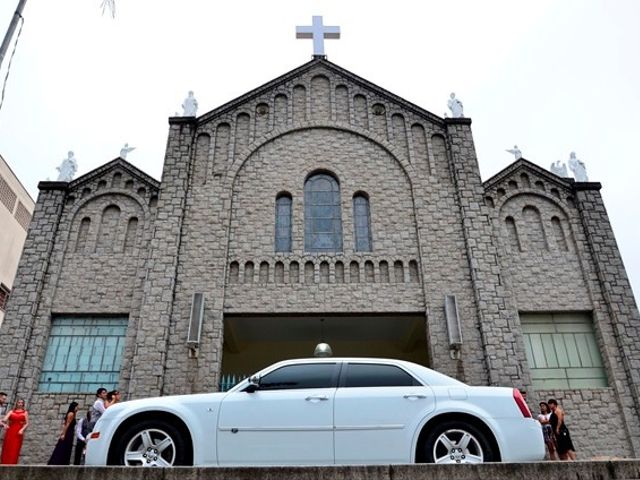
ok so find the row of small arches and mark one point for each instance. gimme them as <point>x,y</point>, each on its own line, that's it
<point>108,238</point>
<point>316,106</point>
<point>525,183</point>
<point>528,232</point>
<point>117,182</point>
<point>324,272</point>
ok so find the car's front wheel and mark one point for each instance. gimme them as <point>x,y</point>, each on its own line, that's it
<point>150,443</point>
<point>457,442</point>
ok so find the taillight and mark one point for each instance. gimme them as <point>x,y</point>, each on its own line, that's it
<point>522,405</point>
<point>94,435</point>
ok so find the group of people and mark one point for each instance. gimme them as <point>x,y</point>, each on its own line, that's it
<point>15,422</point>
<point>555,431</point>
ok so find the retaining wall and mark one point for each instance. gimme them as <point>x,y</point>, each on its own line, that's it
<point>593,470</point>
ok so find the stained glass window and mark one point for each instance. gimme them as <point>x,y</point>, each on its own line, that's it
<point>322,216</point>
<point>83,354</point>
<point>361,223</point>
<point>283,223</point>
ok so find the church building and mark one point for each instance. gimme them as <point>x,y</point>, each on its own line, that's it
<point>320,207</point>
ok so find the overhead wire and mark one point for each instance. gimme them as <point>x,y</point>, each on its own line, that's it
<point>6,78</point>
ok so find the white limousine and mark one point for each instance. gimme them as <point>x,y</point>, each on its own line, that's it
<point>328,411</point>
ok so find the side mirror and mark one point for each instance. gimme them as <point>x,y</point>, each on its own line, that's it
<point>254,384</point>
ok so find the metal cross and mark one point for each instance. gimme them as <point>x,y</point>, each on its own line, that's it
<point>318,32</point>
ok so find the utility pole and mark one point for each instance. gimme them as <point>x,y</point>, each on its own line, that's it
<point>12,28</point>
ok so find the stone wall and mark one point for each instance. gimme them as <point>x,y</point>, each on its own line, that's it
<point>499,325</point>
<point>615,309</point>
<point>556,245</point>
<point>359,165</point>
<point>594,419</point>
<point>84,256</point>
<point>229,168</point>
<point>537,227</point>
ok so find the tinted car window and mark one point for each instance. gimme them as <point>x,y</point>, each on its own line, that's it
<point>367,375</point>
<point>300,376</point>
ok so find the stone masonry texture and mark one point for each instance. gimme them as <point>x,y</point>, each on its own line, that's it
<point>117,242</point>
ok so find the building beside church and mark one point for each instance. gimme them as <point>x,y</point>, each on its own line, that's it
<point>322,207</point>
<point>16,208</point>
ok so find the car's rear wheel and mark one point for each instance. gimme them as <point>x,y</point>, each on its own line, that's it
<point>150,443</point>
<point>457,442</point>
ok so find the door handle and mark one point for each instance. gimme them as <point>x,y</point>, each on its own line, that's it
<point>316,398</point>
<point>414,396</point>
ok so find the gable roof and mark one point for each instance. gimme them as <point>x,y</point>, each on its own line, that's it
<point>119,163</point>
<point>523,164</point>
<point>332,67</point>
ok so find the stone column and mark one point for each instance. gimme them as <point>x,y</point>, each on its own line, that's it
<point>149,362</point>
<point>499,321</point>
<point>26,318</point>
<point>618,298</point>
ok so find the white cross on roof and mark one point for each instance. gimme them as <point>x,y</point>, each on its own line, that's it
<point>318,32</point>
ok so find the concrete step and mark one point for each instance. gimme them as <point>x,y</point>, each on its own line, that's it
<point>590,470</point>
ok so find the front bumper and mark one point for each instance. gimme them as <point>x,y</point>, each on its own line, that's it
<point>98,448</point>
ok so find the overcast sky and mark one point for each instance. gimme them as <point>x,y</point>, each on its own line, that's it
<point>549,76</point>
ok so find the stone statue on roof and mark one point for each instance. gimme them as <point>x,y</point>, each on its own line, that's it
<point>190,105</point>
<point>455,105</point>
<point>515,151</point>
<point>559,168</point>
<point>578,168</point>
<point>125,150</point>
<point>67,168</point>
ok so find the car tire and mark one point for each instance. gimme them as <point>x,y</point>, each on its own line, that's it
<point>457,442</point>
<point>150,443</point>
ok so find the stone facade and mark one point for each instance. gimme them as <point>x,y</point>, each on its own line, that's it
<point>117,242</point>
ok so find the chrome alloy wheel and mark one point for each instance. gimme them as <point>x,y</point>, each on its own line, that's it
<point>150,448</point>
<point>457,446</point>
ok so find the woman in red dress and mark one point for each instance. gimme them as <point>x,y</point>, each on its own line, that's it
<point>17,420</point>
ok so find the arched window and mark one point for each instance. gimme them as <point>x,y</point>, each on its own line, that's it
<point>234,272</point>
<point>108,231</point>
<point>263,275</point>
<point>322,217</point>
<point>294,272</point>
<point>283,222</point>
<point>83,233</point>
<point>248,272</point>
<point>279,273</point>
<point>384,271</point>
<point>324,272</point>
<point>131,235</point>
<point>361,223</point>
<point>339,272</point>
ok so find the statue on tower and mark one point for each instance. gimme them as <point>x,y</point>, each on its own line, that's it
<point>190,105</point>
<point>578,168</point>
<point>559,168</point>
<point>67,168</point>
<point>455,105</point>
